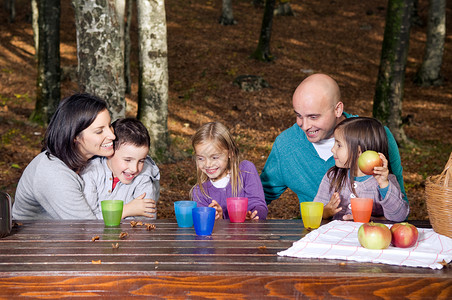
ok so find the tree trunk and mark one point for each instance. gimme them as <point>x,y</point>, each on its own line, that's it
<point>415,18</point>
<point>10,6</point>
<point>227,17</point>
<point>127,47</point>
<point>391,75</point>
<point>99,52</point>
<point>263,47</point>
<point>34,24</point>
<point>429,73</point>
<point>153,75</point>
<point>48,79</point>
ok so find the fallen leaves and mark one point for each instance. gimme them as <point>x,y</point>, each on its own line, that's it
<point>149,226</point>
<point>444,263</point>
<point>94,238</point>
<point>17,224</point>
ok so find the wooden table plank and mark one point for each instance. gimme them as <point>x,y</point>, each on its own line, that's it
<point>55,259</point>
<point>227,287</point>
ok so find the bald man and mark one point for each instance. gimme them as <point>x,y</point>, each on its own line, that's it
<point>301,155</point>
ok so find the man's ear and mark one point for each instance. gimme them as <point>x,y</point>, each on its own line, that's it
<point>339,109</point>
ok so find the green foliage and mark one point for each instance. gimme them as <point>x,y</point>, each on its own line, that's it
<point>17,100</point>
<point>38,117</point>
<point>189,93</point>
<point>232,71</point>
<point>8,136</point>
<point>24,97</point>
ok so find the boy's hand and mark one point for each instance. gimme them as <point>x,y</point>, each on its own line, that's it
<point>381,173</point>
<point>218,209</point>
<point>332,207</point>
<point>140,207</point>
<point>252,215</point>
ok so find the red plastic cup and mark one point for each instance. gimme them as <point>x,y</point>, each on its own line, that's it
<point>361,209</point>
<point>237,208</point>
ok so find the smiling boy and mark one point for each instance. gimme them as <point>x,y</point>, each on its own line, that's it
<point>129,174</point>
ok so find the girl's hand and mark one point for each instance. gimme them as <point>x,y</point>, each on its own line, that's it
<point>381,173</point>
<point>332,207</point>
<point>218,209</point>
<point>140,207</point>
<point>347,217</point>
<point>252,215</point>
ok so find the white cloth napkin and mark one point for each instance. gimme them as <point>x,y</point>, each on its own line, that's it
<point>339,240</point>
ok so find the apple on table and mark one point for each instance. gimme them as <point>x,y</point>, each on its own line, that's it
<point>404,235</point>
<point>374,236</point>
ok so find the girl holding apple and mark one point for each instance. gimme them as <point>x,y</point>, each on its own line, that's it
<point>346,180</point>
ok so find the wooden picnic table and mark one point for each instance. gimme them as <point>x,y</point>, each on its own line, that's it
<point>53,259</point>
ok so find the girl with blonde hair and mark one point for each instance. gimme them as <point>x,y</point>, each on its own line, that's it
<point>221,174</point>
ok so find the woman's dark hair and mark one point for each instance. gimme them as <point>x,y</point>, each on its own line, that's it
<point>130,131</point>
<point>360,133</point>
<point>73,115</point>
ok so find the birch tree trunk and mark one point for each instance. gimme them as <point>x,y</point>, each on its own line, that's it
<point>429,73</point>
<point>48,78</point>
<point>127,47</point>
<point>34,24</point>
<point>99,52</point>
<point>391,74</point>
<point>153,75</point>
<point>227,17</point>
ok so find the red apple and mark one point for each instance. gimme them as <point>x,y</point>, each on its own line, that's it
<point>404,235</point>
<point>374,236</point>
<point>368,160</point>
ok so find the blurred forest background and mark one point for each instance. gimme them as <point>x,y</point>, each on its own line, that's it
<point>339,38</point>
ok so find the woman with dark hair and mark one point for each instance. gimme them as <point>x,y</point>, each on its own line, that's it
<point>50,186</point>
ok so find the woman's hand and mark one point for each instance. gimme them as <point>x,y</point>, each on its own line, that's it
<point>140,207</point>
<point>218,209</point>
<point>381,173</point>
<point>332,207</point>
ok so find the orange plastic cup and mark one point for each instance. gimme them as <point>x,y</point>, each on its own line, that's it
<point>361,209</point>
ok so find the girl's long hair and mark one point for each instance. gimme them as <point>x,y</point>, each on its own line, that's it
<point>217,134</point>
<point>360,133</point>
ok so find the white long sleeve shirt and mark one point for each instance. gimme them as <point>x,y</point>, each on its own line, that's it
<point>98,180</point>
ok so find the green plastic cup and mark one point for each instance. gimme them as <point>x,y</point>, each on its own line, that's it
<point>112,212</point>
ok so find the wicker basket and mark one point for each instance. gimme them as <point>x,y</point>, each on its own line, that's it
<point>438,191</point>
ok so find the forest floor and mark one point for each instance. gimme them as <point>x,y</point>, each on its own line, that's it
<point>339,38</point>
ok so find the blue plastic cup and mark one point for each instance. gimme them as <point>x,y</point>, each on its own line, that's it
<point>183,213</point>
<point>203,219</point>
